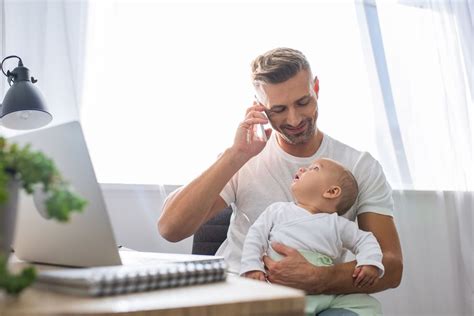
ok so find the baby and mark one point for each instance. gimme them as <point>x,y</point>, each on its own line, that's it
<point>313,225</point>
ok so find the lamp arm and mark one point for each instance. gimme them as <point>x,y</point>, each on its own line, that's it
<point>8,73</point>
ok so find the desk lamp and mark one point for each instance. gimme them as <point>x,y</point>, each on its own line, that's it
<point>23,106</point>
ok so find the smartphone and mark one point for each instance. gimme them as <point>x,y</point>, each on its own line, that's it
<point>260,132</point>
<point>260,129</point>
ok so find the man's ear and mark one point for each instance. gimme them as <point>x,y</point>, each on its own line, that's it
<point>316,86</point>
<point>333,192</point>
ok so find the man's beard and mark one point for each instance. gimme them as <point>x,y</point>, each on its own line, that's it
<point>301,138</point>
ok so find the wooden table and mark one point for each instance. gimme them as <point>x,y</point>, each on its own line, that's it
<point>235,296</point>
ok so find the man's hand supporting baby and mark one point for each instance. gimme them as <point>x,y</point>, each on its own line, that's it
<point>292,271</point>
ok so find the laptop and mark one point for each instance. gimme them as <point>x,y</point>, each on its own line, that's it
<point>87,240</point>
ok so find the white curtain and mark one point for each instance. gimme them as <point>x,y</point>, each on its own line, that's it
<point>420,58</point>
<point>49,38</point>
<point>429,59</point>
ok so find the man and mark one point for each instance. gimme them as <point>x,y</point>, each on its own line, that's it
<point>253,173</point>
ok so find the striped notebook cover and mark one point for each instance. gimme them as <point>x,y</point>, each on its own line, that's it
<point>113,280</point>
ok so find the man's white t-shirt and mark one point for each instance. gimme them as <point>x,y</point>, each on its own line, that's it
<point>267,177</point>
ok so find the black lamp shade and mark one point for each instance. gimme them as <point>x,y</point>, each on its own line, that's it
<point>24,107</point>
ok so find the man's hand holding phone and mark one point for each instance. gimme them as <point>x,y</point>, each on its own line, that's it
<point>251,137</point>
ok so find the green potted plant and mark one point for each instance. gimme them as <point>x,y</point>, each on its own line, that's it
<point>23,168</point>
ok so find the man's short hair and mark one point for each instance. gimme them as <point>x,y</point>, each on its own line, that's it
<point>278,65</point>
<point>350,190</point>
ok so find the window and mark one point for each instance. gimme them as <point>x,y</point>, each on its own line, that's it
<point>167,83</point>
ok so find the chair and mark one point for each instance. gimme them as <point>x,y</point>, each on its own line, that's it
<point>212,234</point>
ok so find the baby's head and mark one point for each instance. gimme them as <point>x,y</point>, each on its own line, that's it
<point>325,186</point>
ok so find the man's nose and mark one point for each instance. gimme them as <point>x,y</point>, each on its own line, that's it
<point>293,118</point>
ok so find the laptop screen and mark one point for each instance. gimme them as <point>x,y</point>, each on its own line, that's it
<point>87,240</point>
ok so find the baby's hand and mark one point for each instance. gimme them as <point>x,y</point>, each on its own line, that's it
<point>365,275</point>
<point>257,275</point>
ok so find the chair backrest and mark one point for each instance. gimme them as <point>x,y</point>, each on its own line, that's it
<point>212,234</point>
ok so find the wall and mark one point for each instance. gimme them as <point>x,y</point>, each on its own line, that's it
<point>134,211</point>
<point>435,231</point>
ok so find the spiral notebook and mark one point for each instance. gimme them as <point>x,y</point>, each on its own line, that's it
<point>114,280</point>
